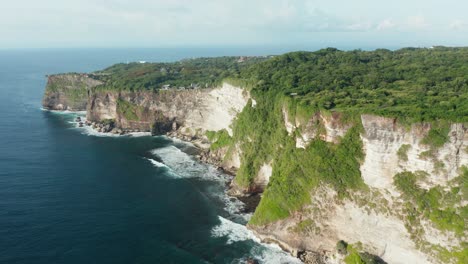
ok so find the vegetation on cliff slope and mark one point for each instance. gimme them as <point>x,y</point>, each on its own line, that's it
<point>411,84</point>
<point>219,138</point>
<point>128,110</point>
<point>435,204</point>
<point>438,205</point>
<point>72,89</point>
<point>414,85</point>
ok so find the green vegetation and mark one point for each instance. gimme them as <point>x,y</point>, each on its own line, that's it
<point>434,204</point>
<point>75,92</point>
<point>298,171</point>
<point>128,110</point>
<point>458,255</point>
<point>200,73</point>
<point>438,135</point>
<point>305,226</point>
<point>356,257</point>
<point>411,84</point>
<point>403,152</point>
<point>219,139</point>
<point>399,84</point>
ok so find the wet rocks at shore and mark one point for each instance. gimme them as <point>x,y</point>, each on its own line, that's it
<point>106,127</point>
<point>309,257</point>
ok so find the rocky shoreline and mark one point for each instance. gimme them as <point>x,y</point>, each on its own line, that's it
<point>105,127</point>
<point>205,155</point>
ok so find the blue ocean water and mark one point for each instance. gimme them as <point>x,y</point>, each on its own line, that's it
<point>70,196</point>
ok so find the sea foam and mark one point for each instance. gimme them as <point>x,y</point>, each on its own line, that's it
<point>156,163</point>
<point>264,253</point>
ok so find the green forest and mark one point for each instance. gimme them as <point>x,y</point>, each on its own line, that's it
<point>414,84</point>
<point>199,72</point>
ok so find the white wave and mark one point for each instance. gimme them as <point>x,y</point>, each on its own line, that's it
<point>156,163</point>
<point>88,130</point>
<point>183,165</point>
<point>179,141</point>
<point>139,134</point>
<point>65,112</point>
<point>273,254</point>
<point>264,253</point>
<point>186,166</point>
<point>233,231</point>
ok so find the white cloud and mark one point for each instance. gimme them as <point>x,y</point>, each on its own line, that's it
<point>170,22</point>
<point>416,22</point>
<point>359,26</point>
<point>458,25</point>
<point>386,24</point>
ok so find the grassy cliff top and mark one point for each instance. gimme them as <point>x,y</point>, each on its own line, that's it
<point>416,84</point>
<point>188,73</point>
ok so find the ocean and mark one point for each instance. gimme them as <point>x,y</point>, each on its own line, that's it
<point>71,195</point>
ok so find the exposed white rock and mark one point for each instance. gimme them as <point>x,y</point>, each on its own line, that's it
<point>103,107</point>
<point>290,127</point>
<point>386,236</point>
<point>334,128</point>
<point>263,175</point>
<point>233,160</point>
<point>217,110</point>
<point>381,231</point>
<point>383,137</point>
<point>254,102</point>
<point>434,236</point>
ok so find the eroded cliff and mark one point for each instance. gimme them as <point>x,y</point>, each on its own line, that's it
<point>397,191</point>
<point>384,217</point>
<point>68,91</point>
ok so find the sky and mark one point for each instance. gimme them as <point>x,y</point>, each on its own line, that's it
<point>179,23</point>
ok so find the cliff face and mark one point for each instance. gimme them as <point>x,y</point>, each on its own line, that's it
<point>190,112</point>
<point>383,139</point>
<point>187,114</point>
<point>380,216</point>
<point>68,92</point>
<point>377,216</point>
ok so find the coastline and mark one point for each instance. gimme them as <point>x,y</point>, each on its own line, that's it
<point>203,155</point>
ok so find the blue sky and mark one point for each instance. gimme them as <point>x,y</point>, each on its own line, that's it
<point>166,23</point>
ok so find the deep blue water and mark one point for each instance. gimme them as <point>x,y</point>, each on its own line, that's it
<point>70,197</point>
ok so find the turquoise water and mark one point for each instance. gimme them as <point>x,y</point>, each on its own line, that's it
<point>68,195</point>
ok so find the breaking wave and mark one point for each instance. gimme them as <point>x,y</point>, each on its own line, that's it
<point>264,253</point>
<point>88,130</point>
<point>232,226</point>
<point>156,163</point>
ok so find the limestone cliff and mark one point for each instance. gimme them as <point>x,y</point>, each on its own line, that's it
<point>377,217</point>
<point>68,91</point>
<point>187,114</point>
<point>190,112</point>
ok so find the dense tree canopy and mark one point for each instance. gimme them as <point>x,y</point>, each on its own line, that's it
<point>421,84</point>
<point>200,72</point>
<point>417,84</point>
